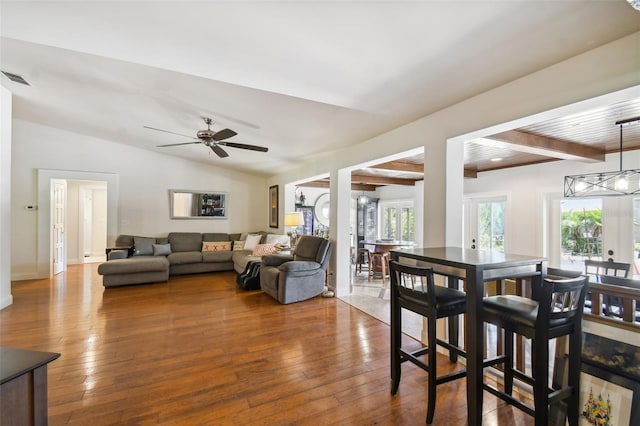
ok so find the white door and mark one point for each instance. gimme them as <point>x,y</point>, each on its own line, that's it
<point>59,196</point>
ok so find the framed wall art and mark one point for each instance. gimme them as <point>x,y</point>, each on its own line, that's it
<point>273,206</point>
<point>606,398</point>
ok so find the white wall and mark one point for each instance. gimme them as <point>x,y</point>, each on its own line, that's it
<point>5,197</point>
<point>144,179</point>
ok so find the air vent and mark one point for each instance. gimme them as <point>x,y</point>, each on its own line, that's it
<point>15,77</point>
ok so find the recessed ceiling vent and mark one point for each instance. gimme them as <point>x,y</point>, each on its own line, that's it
<point>16,78</point>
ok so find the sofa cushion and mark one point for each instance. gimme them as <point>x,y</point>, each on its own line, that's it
<point>215,236</point>
<point>183,257</point>
<point>252,241</point>
<point>238,245</point>
<point>216,256</point>
<point>185,241</point>
<point>161,249</point>
<point>281,239</point>
<point>264,249</point>
<point>143,246</point>
<point>216,245</point>
<point>134,265</point>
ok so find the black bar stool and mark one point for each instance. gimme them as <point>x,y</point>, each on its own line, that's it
<point>555,310</point>
<point>413,288</point>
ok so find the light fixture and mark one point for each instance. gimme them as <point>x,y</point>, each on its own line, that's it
<point>634,3</point>
<point>363,199</point>
<point>293,219</point>
<point>622,182</point>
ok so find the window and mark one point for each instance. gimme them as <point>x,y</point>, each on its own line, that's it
<point>397,221</point>
<point>636,238</point>
<point>491,225</point>
<point>581,232</point>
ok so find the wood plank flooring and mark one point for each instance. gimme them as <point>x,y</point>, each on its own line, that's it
<point>198,350</point>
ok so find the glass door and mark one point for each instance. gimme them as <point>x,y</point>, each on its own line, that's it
<point>398,221</point>
<point>485,224</point>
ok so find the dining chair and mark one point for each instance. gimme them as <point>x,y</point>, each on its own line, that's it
<point>555,310</point>
<point>599,267</point>
<point>413,288</point>
<point>614,304</point>
<point>379,262</point>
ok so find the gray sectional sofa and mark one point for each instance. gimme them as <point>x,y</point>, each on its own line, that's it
<point>155,259</point>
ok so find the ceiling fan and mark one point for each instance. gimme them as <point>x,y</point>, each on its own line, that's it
<point>213,139</point>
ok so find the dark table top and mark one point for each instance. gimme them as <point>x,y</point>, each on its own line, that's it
<point>15,362</point>
<point>461,257</point>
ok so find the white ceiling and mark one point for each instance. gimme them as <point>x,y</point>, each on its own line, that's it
<point>298,77</point>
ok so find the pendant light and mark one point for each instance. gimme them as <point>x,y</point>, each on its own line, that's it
<point>621,182</point>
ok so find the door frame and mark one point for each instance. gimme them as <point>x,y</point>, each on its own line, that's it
<point>470,215</point>
<point>44,258</point>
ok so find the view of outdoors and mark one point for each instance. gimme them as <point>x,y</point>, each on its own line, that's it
<point>581,232</point>
<point>397,222</point>
<point>491,226</point>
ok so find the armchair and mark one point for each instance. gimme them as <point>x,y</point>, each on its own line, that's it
<point>298,277</point>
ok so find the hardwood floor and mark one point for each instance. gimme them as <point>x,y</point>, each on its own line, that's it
<point>198,350</point>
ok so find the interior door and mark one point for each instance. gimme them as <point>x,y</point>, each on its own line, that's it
<point>59,196</point>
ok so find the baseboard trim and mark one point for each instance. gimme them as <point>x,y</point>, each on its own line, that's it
<point>6,301</point>
<point>24,276</point>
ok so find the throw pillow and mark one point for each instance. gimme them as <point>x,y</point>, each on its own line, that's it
<point>216,246</point>
<point>252,241</point>
<point>161,249</point>
<point>238,245</point>
<point>143,246</point>
<point>283,240</point>
<point>264,249</point>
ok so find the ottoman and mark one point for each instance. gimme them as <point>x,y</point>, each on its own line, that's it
<point>134,270</point>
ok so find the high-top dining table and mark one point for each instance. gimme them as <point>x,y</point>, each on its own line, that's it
<point>475,267</point>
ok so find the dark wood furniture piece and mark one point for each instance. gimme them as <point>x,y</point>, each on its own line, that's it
<point>413,288</point>
<point>23,386</point>
<point>475,267</point>
<point>554,311</point>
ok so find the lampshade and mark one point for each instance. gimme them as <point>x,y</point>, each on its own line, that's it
<point>620,182</point>
<point>293,219</point>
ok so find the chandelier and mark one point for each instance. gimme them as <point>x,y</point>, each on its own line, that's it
<point>621,182</point>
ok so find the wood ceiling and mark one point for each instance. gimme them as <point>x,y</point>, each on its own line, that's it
<point>584,137</point>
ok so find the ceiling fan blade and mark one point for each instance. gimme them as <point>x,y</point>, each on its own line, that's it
<point>176,144</point>
<point>219,151</point>
<point>223,134</point>
<point>244,146</point>
<point>167,131</point>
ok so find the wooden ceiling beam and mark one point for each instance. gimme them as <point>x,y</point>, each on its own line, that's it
<point>315,184</point>
<point>469,173</point>
<point>548,147</point>
<point>402,166</point>
<point>362,187</point>
<point>382,180</point>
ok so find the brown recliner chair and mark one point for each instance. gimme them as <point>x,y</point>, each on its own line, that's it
<point>298,277</point>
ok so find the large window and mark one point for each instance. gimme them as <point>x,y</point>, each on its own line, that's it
<point>397,221</point>
<point>636,238</point>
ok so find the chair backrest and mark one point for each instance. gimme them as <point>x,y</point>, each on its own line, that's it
<point>599,268</point>
<point>313,249</point>
<point>562,299</point>
<point>413,284</point>
<point>622,282</point>
<point>562,273</point>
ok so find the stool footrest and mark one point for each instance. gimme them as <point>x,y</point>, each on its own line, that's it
<point>509,399</point>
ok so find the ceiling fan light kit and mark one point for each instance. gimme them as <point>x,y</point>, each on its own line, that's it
<point>615,183</point>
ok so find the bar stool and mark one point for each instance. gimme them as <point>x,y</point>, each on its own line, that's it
<point>380,260</point>
<point>363,254</point>
<point>413,288</point>
<point>554,311</point>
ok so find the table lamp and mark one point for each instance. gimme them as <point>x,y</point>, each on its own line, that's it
<point>293,219</point>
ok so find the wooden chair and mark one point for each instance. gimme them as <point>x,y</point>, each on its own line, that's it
<point>362,257</point>
<point>379,260</point>
<point>413,288</point>
<point>554,311</point>
<point>614,305</point>
<point>597,268</point>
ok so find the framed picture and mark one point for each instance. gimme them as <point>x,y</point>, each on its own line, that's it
<point>273,206</point>
<point>606,398</point>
